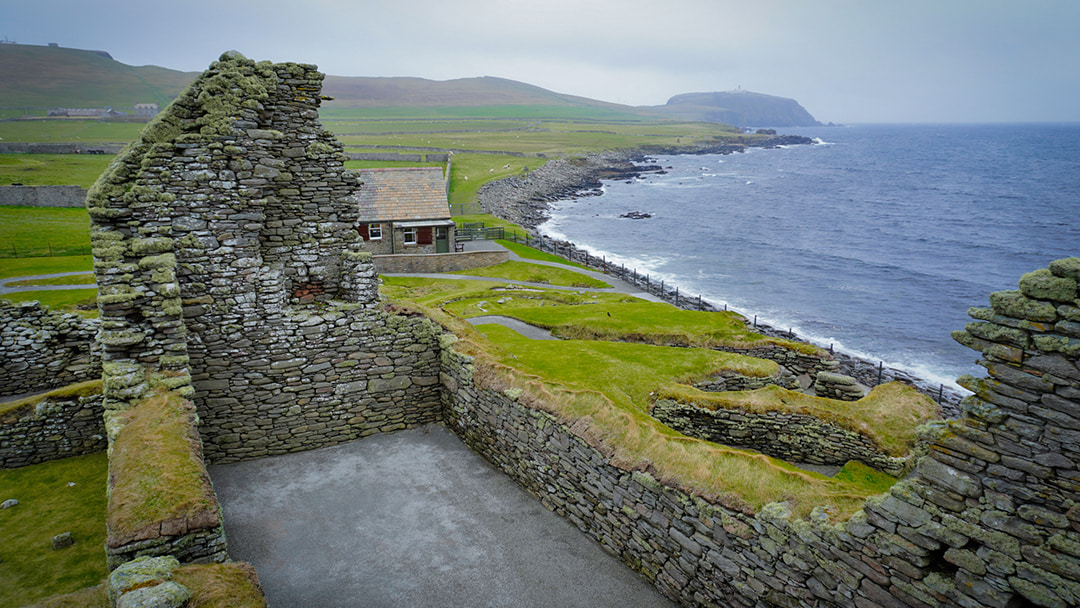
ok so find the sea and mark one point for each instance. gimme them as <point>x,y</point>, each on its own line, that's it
<point>875,240</point>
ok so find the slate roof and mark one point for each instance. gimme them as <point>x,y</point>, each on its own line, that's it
<point>402,194</point>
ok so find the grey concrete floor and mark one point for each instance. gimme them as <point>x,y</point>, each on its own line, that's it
<point>410,519</point>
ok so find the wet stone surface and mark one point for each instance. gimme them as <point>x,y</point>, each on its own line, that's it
<point>410,519</point>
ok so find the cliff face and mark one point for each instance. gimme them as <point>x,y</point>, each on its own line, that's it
<point>740,108</point>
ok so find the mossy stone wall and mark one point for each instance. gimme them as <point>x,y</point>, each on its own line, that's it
<point>990,518</point>
<point>52,429</point>
<point>791,437</point>
<point>226,248</point>
<point>42,349</point>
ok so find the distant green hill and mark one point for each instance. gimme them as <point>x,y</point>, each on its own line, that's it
<point>490,96</point>
<point>42,78</point>
<point>740,108</point>
<point>50,77</point>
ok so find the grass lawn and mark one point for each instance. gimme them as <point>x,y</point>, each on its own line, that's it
<point>601,316</point>
<point>535,273</point>
<point>30,569</point>
<point>52,169</point>
<point>22,267</point>
<point>44,231</point>
<point>529,253</point>
<point>627,373</point>
<point>510,229</point>
<point>470,171</point>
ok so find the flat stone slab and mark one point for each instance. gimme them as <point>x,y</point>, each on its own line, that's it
<point>410,519</point>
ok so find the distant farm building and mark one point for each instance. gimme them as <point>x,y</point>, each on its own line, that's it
<point>404,210</point>
<point>146,110</point>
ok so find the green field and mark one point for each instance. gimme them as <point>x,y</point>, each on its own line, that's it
<point>21,267</point>
<point>69,130</point>
<point>43,231</point>
<point>52,169</point>
<point>527,135</point>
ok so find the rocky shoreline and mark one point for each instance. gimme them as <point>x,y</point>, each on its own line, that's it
<point>526,201</point>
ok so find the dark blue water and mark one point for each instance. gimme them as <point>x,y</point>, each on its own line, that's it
<point>876,240</point>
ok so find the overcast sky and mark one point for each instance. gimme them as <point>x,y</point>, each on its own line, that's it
<point>843,60</point>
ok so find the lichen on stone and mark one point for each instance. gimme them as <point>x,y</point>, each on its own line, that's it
<point>165,260</point>
<point>142,247</point>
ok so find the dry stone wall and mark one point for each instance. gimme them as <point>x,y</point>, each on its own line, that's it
<point>52,429</point>
<point>220,255</point>
<point>791,437</point>
<point>43,196</point>
<point>42,349</point>
<point>990,518</point>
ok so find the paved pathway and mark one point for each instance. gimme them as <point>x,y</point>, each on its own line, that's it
<point>529,331</point>
<point>4,288</point>
<point>415,519</point>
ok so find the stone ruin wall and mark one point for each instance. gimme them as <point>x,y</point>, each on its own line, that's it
<point>990,518</point>
<point>52,429</point>
<point>224,249</point>
<point>237,243</point>
<point>791,437</point>
<point>42,349</point>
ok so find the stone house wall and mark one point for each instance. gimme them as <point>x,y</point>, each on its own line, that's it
<point>54,428</point>
<point>42,349</point>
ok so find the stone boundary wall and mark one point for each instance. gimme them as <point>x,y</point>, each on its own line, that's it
<point>438,262</point>
<point>54,428</point>
<point>990,518</point>
<point>42,349</point>
<point>791,437</point>
<point>444,151</point>
<point>59,148</point>
<point>43,196</point>
<point>431,157</point>
<point>735,382</point>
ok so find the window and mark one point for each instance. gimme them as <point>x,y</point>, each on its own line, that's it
<point>375,231</point>
<point>410,236</point>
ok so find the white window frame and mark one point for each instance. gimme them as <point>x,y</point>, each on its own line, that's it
<point>409,236</point>
<point>374,232</point>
